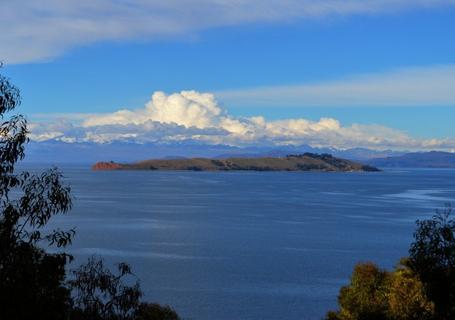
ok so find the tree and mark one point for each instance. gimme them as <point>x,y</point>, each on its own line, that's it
<point>31,280</point>
<point>366,295</point>
<point>422,287</point>
<point>375,294</point>
<point>432,257</point>
<point>406,298</point>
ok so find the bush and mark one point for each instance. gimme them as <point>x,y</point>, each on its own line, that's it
<point>152,311</point>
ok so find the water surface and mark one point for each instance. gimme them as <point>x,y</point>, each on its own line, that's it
<point>249,245</point>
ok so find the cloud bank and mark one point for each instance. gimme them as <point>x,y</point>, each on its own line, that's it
<point>418,86</point>
<point>198,117</point>
<point>40,30</point>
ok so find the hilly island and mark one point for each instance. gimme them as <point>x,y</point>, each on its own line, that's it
<point>299,162</point>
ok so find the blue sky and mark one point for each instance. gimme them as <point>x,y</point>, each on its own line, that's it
<point>243,62</point>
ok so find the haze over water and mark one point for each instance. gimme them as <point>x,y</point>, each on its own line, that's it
<point>249,245</point>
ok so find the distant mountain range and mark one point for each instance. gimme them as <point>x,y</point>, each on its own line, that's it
<point>433,159</point>
<point>61,152</point>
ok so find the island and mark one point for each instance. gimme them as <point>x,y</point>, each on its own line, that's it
<point>298,162</point>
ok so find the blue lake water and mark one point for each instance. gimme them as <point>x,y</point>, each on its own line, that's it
<point>249,245</point>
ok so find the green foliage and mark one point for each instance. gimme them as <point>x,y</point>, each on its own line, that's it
<point>376,294</point>
<point>421,286</point>
<point>366,295</point>
<point>407,298</point>
<point>432,257</point>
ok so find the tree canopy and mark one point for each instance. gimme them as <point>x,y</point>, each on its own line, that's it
<point>376,294</point>
<point>422,286</point>
<point>432,257</point>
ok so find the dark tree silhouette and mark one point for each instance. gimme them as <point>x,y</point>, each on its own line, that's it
<point>99,294</point>
<point>154,311</point>
<point>432,257</point>
<point>31,280</point>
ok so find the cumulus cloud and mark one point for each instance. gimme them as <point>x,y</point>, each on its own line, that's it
<point>195,116</point>
<point>39,30</point>
<point>188,108</point>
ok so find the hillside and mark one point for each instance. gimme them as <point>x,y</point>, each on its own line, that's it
<point>433,159</point>
<point>303,162</point>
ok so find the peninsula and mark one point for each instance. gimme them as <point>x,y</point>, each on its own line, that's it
<point>299,162</point>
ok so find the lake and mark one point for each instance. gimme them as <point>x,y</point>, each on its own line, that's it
<point>249,245</point>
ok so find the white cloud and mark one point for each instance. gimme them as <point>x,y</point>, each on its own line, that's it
<point>40,30</point>
<point>419,86</point>
<point>194,116</point>
<point>188,108</point>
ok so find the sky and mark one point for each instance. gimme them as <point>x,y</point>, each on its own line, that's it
<point>341,73</point>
